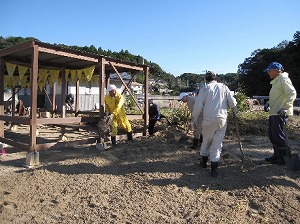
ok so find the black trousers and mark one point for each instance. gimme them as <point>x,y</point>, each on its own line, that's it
<point>276,131</point>
<point>152,122</point>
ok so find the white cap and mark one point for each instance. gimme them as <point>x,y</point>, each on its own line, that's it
<point>182,95</point>
<point>111,87</point>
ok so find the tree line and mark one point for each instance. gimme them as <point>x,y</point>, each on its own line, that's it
<point>249,77</point>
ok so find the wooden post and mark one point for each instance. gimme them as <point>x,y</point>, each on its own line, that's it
<point>63,93</point>
<point>13,104</point>
<point>77,98</point>
<point>53,109</point>
<point>33,111</point>
<point>63,97</point>
<point>101,84</point>
<point>146,99</point>
<point>1,96</point>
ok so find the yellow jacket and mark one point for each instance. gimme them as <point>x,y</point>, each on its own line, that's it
<point>114,105</point>
<point>282,94</point>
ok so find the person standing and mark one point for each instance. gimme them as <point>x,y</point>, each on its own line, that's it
<point>114,104</point>
<point>280,106</point>
<point>154,115</point>
<point>213,101</point>
<point>196,124</point>
<point>70,101</point>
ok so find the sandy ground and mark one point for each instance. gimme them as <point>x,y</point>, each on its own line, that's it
<point>150,180</point>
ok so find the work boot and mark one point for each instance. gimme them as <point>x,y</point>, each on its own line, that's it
<point>203,161</point>
<point>214,168</point>
<point>274,156</point>
<point>113,141</point>
<point>129,136</point>
<point>280,152</point>
<point>195,143</point>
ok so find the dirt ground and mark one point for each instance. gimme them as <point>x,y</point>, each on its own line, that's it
<point>150,180</point>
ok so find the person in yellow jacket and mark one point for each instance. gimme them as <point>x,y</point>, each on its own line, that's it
<point>114,104</point>
<point>281,98</point>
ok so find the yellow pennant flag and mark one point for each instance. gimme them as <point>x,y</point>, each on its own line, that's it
<point>42,77</point>
<point>89,73</point>
<point>22,70</point>
<point>67,71</point>
<point>73,75</point>
<point>54,74</point>
<point>14,80</point>
<point>80,75</point>
<point>28,84</point>
<point>23,81</point>
<point>6,81</point>
<point>95,80</point>
<point>10,68</point>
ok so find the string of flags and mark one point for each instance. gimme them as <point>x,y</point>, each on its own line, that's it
<point>44,75</point>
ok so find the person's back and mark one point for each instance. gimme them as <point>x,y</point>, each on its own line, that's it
<point>217,96</point>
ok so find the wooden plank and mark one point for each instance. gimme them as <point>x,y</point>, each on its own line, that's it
<point>68,120</point>
<point>134,116</point>
<point>16,120</point>
<point>14,143</point>
<point>67,144</point>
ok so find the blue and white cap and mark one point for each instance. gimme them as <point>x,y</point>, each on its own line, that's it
<point>274,65</point>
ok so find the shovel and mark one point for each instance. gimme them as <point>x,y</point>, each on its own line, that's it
<point>237,132</point>
<point>291,159</point>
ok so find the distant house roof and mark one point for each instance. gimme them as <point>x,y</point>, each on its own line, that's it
<point>136,84</point>
<point>124,75</point>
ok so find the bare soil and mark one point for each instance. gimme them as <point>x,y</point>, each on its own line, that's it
<point>150,180</point>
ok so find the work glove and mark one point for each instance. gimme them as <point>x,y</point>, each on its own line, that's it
<point>282,113</point>
<point>266,107</point>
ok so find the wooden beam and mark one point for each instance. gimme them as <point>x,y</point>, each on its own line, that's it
<point>17,48</point>
<point>66,54</point>
<point>133,97</point>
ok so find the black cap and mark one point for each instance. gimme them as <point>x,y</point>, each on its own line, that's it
<point>209,76</point>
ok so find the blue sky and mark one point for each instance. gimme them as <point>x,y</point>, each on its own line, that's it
<point>180,36</point>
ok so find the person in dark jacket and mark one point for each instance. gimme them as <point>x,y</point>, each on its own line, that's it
<point>154,115</point>
<point>69,101</point>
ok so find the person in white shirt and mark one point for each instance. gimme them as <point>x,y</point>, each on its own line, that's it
<point>213,101</point>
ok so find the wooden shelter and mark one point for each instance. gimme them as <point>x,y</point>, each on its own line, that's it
<point>52,59</point>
